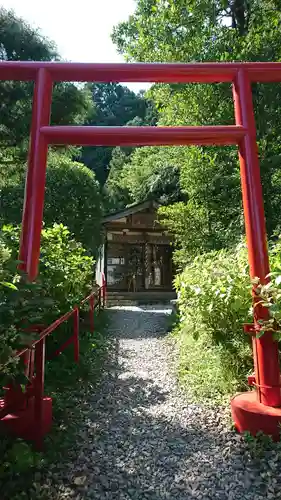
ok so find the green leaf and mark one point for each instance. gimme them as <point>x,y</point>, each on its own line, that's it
<point>260,333</point>
<point>8,285</point>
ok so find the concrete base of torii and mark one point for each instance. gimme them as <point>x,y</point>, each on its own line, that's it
<point>250,415</point>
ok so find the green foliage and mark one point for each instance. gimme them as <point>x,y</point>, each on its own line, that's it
<point>189,31</point>
<point>269,294</point>
<point>21,305</point>
<point>261,445</point>
<point>65,270</point>
<point>116,193</point>
<point>72,197</point>
<point>185,222</point>
<point>208,219</point>
<point>115,105</point>
<point>65,277</point>
<point>216,287</point>
<point>18,458</point>
<point>164,30</point>
<point>149,173</point>
<point>214,302</point>
<point>19,41</point>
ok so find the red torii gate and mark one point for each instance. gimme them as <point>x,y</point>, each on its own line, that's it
<point>259,410</point>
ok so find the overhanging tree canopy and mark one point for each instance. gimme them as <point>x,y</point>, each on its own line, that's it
<point>200,30</point>
<point>114,105</point>
<point>19,41</point>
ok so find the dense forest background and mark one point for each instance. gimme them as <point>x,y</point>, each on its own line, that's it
<point>198,188</point>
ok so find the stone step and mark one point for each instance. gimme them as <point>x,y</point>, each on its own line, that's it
<point>122,298</point>
<point>140,295</point>
<point>111,303</point>
<point>121,302</point>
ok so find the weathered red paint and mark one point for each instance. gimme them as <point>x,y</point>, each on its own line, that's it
<point>243,133</point>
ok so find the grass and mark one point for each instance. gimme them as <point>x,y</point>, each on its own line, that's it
<point>207,371</point>
<point>68,384</point>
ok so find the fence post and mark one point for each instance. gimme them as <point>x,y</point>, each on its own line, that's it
<point>76,334</point>
<point>99,298</point>
<point>92,310</point>
<point>103,291</point>
<point>39,392</point>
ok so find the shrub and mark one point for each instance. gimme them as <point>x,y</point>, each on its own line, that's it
<point>72,197</point>
<point>270,293</point>
<point>21,305</point>
<point>8,333</point>
<point>214,302</point>
<point>65,270</point>
<point>66,275</point>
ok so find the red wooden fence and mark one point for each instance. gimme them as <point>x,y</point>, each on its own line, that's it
<point>27,412</point>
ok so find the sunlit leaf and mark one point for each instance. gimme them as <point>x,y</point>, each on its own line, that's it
<point>8,285</point>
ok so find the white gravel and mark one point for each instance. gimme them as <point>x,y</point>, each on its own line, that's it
<point>141,438</point>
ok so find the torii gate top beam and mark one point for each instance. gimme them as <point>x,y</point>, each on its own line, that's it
<point>141,72</point>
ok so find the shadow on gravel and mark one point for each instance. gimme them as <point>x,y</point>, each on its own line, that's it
<point>129,451</point>
<point>133,319</point>
<point>136,456</point>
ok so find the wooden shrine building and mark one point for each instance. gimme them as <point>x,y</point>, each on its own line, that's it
<point>137,253</point>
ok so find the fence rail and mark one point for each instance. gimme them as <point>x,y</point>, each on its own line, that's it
<point>26,412</point>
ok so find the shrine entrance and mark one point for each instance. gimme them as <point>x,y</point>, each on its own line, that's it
<point>137,250</point>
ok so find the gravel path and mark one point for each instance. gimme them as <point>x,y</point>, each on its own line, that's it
<point>142,440</point>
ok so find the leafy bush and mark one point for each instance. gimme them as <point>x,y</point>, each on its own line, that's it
<point>72,198</point>
<point>65,270</point>
<point>21,305</point>
<point>17,309</point>
<point>270,293</point>
<point>66,275</point>
<point>214,302</point>
<point>8,334</point>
